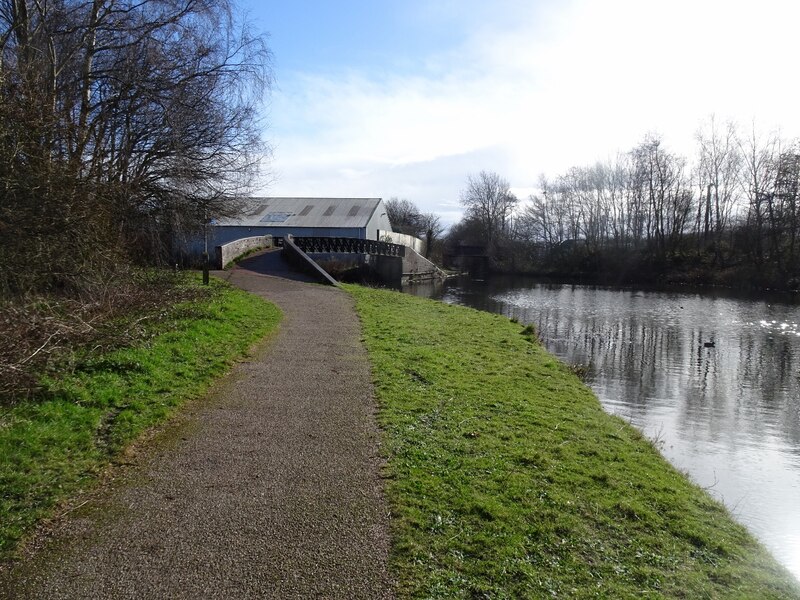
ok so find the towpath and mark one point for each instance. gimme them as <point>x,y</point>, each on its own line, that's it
<point>271,489</point>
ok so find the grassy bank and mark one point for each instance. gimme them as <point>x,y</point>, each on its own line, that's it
<point>56,443</point>
<point>506,478</point>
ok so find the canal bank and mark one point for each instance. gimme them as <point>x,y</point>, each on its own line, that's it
<point>506,478</point>
<point>710,373</point>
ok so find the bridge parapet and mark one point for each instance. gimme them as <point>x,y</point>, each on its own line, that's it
<point>324,245</point>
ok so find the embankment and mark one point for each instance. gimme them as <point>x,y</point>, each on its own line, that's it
<point>507,479</point>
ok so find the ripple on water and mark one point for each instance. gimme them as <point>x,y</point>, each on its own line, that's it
<point>777,327</point>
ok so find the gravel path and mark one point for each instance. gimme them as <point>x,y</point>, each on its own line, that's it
<point>271,489</point>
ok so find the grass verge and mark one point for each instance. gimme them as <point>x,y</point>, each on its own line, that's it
<point>54,445</point>
<point>506,479</point>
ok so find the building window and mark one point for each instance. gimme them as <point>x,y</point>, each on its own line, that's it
<point>276,217</point>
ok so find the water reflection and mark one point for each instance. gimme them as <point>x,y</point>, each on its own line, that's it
<point>715,376</point>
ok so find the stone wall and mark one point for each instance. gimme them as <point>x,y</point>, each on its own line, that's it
<point>402,239</point>
<point>416,266</point>
<point>226,253</point>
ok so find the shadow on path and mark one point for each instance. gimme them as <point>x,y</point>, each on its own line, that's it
<point>272,262</point>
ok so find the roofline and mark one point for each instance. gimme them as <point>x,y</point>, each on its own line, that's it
<point>253,208</point>
<point>372,214</point>
<point>311,198</point>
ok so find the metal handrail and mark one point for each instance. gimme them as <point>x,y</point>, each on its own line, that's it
<point>320,245</point>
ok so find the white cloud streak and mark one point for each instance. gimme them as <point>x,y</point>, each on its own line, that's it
<point>559,88</point>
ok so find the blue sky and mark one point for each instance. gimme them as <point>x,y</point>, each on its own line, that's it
<point>391,98</point>
<point>330,36</point>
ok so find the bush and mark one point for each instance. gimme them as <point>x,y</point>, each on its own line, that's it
<point>44,333</point>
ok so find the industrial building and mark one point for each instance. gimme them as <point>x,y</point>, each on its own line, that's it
<point>304,217</point>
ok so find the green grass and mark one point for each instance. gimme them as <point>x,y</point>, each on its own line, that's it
<point>506,479</point>
<point>51,448</point>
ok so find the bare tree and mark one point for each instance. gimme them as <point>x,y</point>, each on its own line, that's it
<point>405,217</point>
<point>139,123</point>
<point>718,166</point>
<point>489,201</point>
<point>640,213</point>
<point>659,179</point>
<point>432,229</point>
<point>757,180</point>
<point>784,210</point>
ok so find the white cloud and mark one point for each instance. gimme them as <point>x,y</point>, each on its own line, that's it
<point>560,87</point>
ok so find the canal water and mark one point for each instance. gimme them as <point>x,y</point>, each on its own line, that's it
<point>713,377</point>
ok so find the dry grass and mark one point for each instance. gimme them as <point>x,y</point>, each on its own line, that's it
<point>43,334</point>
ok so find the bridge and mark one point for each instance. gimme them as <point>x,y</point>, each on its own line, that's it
<point>393,263</point>
<point>323,245</point>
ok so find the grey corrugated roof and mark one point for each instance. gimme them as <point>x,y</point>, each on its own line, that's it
<point>305,212</point>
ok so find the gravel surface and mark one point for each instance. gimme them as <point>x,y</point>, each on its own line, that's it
<point>270,489</point>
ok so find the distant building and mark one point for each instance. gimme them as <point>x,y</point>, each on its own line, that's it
<point>327,217</point>
<point>360,218</point>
